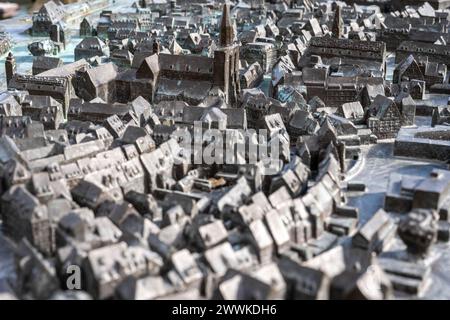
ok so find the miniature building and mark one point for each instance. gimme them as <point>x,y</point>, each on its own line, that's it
<point>9,105</point>
<point>108,266</point>
<point>337,23</point>
<point>24,216</point>
<point>364,50</point>
<point>252,76</point>
<point>352,111</point>
<point>98,82</point>
<point>430,72</point>
<point>122,58</point>
<point>206,150</point>
<point>86,28</point>
<point>334,91</point>
<point>56,82</point>
<point>10,67</point>
<point>423,51</point>
<point>423,142</point>
<point>263,53</point>
<point>226,76</point>
<point>383,118</point>
<point>408,69</point>
<point>42,64</point>
<point>5,42</point>
<point>376,233</point>
<point>44,109</point>
<point>91,47</point>
<point>50,13</point>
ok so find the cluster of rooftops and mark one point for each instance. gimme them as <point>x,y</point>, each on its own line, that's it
<point>102,168</point>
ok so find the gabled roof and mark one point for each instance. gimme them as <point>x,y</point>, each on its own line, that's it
<point>122,54</point>
<point>38,101</point>
<point>194,91</point>
<point>315,27</point>
<point>352,110</point>
<point>175,48</point>
<point>139,105</point>
<point>8,105</point>
<point>303,120</point>
<point>87,20</point>
<point>149,68</point>
<point>67,69</point>
<point>213,101</point>
<point>374,89</point>
<point>381,105</point>
<point>102,74</point>
<point>43,62</point>
<point>213,115</point>
<point>435,69</point>
<point>54,11</point>
<point>6,97</point>
<point>91,42</point>
<point>194,38</point>
<point>186,63</point>
<point>248,36</point>
<point>405,64</point>
<point>101,108</point>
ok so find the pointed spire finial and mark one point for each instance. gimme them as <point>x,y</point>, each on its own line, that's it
<point>226,27</point>
<point>338,23</point>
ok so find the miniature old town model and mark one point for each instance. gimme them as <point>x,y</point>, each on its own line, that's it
<point>294,149</point>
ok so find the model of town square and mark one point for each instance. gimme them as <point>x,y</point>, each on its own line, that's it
<point>139,168</point>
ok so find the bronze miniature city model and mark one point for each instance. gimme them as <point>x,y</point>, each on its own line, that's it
<point>328,124</point>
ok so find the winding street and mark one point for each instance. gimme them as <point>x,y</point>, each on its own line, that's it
<point>378,165</point>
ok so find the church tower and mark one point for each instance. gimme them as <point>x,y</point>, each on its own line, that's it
<point>226,59</point>
<point>10,67</point>
<point>337,28</point>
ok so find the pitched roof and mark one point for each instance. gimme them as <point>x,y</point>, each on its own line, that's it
<point>186,63</point>
<point>91,42</point>
<point>54,11</point>
<point>213,115</point>
<point>352,110</point>
<point>149,67</point>
<point>185,89</point>
<point>175,48</point>
<point>405,64</point>
<point>67,69</point>
<point>380,106</point>
<point>47,63</point>
<point>102,74</point>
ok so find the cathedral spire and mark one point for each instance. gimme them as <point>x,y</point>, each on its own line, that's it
<point>337,28</point>
<point>226,27</point>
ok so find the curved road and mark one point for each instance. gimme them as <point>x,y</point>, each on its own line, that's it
<point>379,164</point>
